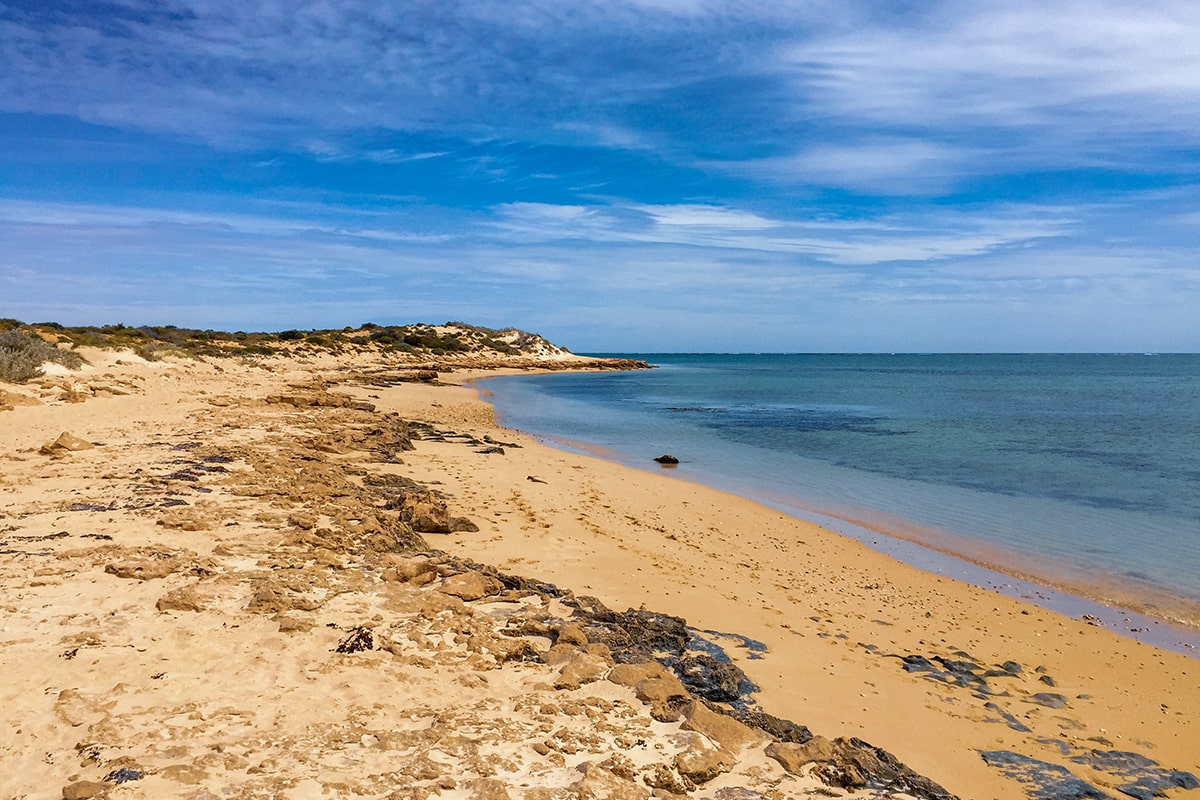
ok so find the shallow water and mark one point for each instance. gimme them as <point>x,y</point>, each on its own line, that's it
<point>1076,470</point>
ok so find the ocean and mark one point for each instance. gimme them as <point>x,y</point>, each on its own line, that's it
<point>1080,472</point>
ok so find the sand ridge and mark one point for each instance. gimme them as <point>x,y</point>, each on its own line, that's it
<point>222,596</point>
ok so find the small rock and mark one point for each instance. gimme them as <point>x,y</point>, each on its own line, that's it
<point>583,668</point>
<point>463,525</point>
<point>84,789</point>
<point>700,763</point>
<point>667,460</point>
<point>595,781</point>
<point>69,441</point>
<point>655,686</point>
<point>729,734</point>
<point>470,586</point>
<point>793,757</point>
<point>1049,700</point>
<point>142,569</point>
<point>424,512</point>
<point>571,634</point>
<point>185,598</point>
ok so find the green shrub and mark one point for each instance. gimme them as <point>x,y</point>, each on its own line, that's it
<point>22,355</point>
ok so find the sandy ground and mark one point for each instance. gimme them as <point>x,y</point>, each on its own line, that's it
<point>173,597</point>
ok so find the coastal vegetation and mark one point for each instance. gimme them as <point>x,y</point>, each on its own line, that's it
<point>22,354</point>
<point>26,347</point>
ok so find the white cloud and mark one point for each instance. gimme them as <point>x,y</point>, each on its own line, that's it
<point>1013,65</point>
<point>817,238</point>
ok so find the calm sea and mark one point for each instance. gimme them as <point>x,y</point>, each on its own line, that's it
<point>1081,471</point>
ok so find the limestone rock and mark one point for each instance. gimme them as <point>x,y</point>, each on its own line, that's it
<point>597,782</point>
<point>726,732</point>
<point>711,678</point>
<point>463,525</point>
<point>663,776</point>
<point>273,599</point>
<point>851,763</point>
<point>560,654</point>
<point>302,520</point>
<point>184,598</point>
<point>425,512</point>
<point>80,790</point>
<point>700,763</point>
<point>188,519</point>
<point>655,686</point>
<point>9,400</point>
<point>64,444</point>
<point>410,570</point>
<point>470,586</point>
<point>583,668</point>
<point>142,569</point>
<point>489,789</point>
<point>571,634</point>
<point>793,757</point>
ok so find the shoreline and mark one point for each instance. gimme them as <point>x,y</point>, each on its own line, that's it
<point>970,619</point>
<point>1129,608</point>
<point>274,561</point>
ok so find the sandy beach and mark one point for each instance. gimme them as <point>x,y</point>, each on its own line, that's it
<point>211,587</point>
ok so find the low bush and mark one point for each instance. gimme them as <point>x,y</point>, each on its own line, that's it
<point>22,355</point>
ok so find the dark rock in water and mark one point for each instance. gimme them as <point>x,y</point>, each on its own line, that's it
<point>1045,781</point>
<point>712,679</point>
<point>667,460</point>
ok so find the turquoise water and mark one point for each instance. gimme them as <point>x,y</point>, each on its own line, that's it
<point>1078,470</point>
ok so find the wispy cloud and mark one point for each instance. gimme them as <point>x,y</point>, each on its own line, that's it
<point>886,238</point>
<point>551,161</point>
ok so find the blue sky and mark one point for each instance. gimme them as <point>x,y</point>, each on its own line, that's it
<point>625,175</point>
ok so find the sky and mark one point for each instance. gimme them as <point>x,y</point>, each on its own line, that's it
<point>618,176</point>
